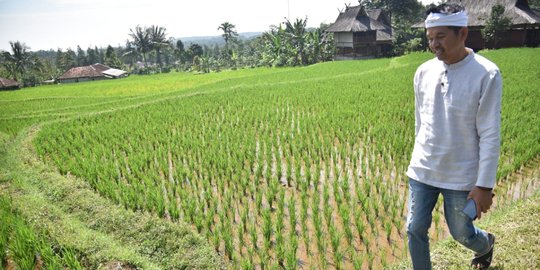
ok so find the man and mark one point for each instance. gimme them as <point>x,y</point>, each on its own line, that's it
<point>456,149</point>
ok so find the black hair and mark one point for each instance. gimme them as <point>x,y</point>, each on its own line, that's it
<point>447,8</point>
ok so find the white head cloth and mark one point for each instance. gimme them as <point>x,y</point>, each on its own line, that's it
<point>439,19</point>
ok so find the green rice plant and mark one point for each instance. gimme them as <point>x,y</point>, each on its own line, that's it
<point>344,213</point>
<point>264,257</point>
<point>291,259</point>
<point>370,259</point>
<point>70,259</point>
<point>267,227</point>
<point>216,238</point>
<point>335,241</point>
<point>254,235</point>
<point>228,241</point>
<point>52,260</point>
<point>388,229</point>
<point>384,259</point>
<point>280,249</point>
<point>22,246</point>
<point>246,264</point>
<point>360,226</point>
<point>328,214</point>
<point>357,261</point>
<point>241,240</point>
<point>292,214</point>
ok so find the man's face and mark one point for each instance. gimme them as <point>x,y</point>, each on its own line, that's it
<point>446,44</point>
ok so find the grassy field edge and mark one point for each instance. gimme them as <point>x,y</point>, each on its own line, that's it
<point>72,215</point>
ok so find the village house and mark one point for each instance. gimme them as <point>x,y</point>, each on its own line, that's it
<point>7,84</point>
<point>524,29</point>
<point>91,73</point>
<point>361,33</point>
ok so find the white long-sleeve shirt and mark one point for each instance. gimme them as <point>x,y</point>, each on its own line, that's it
<point>457,122</point>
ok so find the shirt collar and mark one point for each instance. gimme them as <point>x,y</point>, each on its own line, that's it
<point>461,63</point>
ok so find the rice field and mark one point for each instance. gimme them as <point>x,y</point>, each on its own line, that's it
<point>294,168</point>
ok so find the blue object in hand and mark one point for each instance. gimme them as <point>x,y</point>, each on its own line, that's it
<point>470,209</point>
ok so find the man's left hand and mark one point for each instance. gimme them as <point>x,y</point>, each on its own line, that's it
<point>483,198</point>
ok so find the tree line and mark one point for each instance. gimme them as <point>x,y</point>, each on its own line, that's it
<point>149,49</point>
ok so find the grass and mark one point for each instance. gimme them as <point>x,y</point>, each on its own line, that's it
<point>68,211</point>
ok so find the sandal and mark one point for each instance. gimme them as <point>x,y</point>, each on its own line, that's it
<point>484,261</point>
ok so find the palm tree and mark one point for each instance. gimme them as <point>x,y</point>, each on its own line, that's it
<point>158,40</point>
<point>18,61</point>
<point>296,33</point>
<point>274,45</point>
<point>141,41</point>
<point>229,32</point>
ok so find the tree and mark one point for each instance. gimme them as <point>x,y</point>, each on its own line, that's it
<point>534,4</point>
<point>158,41</point>
<point>141,41</point>
<point>81,57</point>
<point>229,32</point>
<point>129,55</point>
<point>179,52</point>
<point>496,25</point>
<point>274,46</point>
<point>111,59</point>
<point>18,61</point>
<point>399,10</point>
<point>22,65</point>
<point>69,59</point>
<point>92,56</point>
<point>296,36</point>
<point>229,35</point>
<point>195,50</point>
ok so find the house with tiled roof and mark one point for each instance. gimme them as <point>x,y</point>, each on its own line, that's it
<point>7,84</point>
<point>90,73</point>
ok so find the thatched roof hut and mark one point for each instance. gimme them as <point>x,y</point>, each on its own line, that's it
<point>361,33</point>
<point>525,22</point>
<point>7,84</point>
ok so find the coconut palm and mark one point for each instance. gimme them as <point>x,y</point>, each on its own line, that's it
<point>296,34</point>
<point>229,32</point>
<point>18,61</point>
<point>158,40</point>
<point>141,41</point>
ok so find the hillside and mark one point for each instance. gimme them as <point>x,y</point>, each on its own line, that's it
<point>288,167</point>
<point>215,40</point>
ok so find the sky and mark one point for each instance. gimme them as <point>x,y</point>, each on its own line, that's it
<point>53,24</point>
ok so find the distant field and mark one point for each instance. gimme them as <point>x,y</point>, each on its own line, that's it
<point>293,167</point>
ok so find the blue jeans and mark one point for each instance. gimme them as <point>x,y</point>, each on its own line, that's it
<point>422,200</point>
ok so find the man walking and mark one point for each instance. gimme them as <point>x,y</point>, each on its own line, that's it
<point>456,149</point>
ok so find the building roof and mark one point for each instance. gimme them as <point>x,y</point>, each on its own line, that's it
<point>518,11</point>
<point>358,19</point>
<point>113,72</point>
<point>7,83</point>
<point>81,72</point>
<point>100,67</point>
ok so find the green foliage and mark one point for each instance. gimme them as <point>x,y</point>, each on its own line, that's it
<point>25,248</point>
<point>496,25</point>
<point>291,44</point>
<point>111,59</point>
